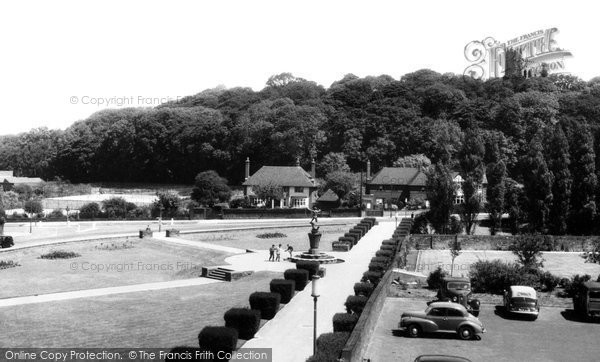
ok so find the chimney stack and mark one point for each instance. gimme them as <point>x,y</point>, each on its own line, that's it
<point>368,170</point>
<point>297,161</point>
<point>312,168</point>
<point>247,172</point>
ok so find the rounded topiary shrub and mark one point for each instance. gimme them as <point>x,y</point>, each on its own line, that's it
<point>389,242</point>
<point>358,230</point>
<point>377,267</point>
<point>266,303</point>
<point>311,267</point>
<point>353,236</point>
<point>355,303</point>
<point>245,321</point>
<point>347,239</point>
<point>363,289</point>
<point>217,339</point>
<point>344,322</point>
<point>329,346</point>
<point>284,287</point>
<point>384,253</point>
<point>435,278</point>
<point>381,259</point>
<point>299,276</point>
<point>372,276</point>
<point>387,247</point>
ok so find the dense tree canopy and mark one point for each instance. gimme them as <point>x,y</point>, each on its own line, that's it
<point>376,118</point>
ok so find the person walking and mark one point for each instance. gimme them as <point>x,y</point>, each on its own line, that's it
<point>272,253</point>
<point>278,253</point>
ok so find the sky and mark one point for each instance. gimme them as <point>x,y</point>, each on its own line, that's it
<point>61,61</point>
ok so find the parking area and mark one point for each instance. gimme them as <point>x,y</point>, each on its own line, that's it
<point>557,335</point>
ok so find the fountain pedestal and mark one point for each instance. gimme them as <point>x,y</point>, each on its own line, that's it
<point>314,254</point>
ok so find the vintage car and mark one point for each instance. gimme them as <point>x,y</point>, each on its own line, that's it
<point>521,300</point>
<point>458,290</point>
<point>587,301</point>
<point>6,241</point>
<point>442,317</point>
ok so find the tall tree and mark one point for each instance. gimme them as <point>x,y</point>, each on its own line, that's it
<point>583,168</point>
<point>472,170</point>
<point>210,188</point>
<point>441,196</point>
<point>496,177</point>
<point>538,185</point>
<point>557,152</point>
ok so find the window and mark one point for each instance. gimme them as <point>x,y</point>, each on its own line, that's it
<point>460,199</point>
<point>298,202</point>
<point>455,313</point>
<point>437,312</point>
<point>299,190</point>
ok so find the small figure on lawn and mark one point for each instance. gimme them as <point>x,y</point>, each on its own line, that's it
<point>289,249</point>
<point>314,221</point>
<point>278,253</point>
<point>272,253</point>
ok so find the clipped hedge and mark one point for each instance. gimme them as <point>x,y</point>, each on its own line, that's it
<point>353,236</point>
<point>357,230</point>
<point>267,303</point>
<point>284,287</point>
<point>377,267</point>
<point>311,267</point>
<point>389,242</point>
<point>245,321</point>
<point>299,276</point>
<point>355,303</point>
<point>347,239</point>
<point>380,259</point>
<point>363,289</point>
<point>217,339</point>
<point>372,276</point>
<point>388,247</point>
<point>344,322</point>
<point>329,346</point>
<point>384,253</point>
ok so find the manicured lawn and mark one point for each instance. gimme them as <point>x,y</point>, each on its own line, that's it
<point>296,237</point>
<point>563,264</point>
<point>102,264</point>
<point>161,319</point>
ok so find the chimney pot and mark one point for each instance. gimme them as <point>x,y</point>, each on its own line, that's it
<point>247,170</point>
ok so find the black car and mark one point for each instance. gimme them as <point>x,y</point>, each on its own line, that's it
<point>6,241</point>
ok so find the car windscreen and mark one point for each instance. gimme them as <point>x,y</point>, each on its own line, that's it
<point>594,294</point>
<point>459,286</point>
<point>521,300</point>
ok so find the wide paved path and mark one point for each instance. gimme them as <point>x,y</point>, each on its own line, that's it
<point>290,333</point>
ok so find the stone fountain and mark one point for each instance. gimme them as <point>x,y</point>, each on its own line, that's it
<point>314,254</point>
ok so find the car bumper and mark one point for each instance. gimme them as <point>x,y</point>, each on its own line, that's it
<point>524,312</point>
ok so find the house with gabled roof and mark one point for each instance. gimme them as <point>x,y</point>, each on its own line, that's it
<point>8,180</point>
<point>299,187</point>
<point>392,185</point>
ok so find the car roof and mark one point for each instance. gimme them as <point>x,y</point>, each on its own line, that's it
<point>522,291</point>
<point>592,285</point>
<point>447,305</point>
<point>456,279</point>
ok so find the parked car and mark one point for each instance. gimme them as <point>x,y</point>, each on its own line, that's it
<point>442,316</point>
<point>587,301</point>
<point>522,300</point>
<point>458,290</point>
<point>6,241</point>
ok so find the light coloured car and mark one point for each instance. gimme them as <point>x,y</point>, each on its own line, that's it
<point>442,317</point>
<point>522,300</point>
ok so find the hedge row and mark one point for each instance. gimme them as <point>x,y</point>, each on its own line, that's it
<point>351,238</point>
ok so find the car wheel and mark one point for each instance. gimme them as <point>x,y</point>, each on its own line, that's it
<point>465,332</point>
<point>413,330</point>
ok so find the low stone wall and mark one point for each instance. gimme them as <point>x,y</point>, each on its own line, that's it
<point>500,242</point>
<point>261,213</point>
<point>359,339</point>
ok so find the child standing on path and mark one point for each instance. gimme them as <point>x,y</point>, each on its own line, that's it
<point>278,253</point>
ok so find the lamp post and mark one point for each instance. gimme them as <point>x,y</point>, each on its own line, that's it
<point>315,294</point>
<point>160,210</point>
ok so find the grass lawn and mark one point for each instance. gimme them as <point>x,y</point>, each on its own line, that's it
<point>161,319</point>
<point>296,237</point>
<point>562,264</point>
<point>102,264</point>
